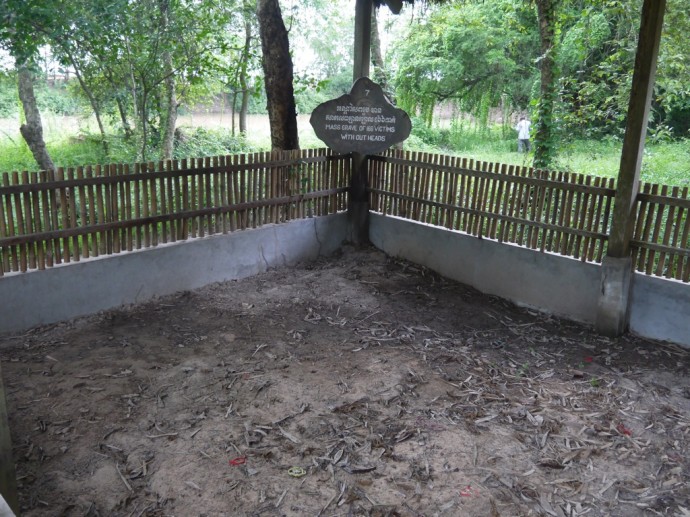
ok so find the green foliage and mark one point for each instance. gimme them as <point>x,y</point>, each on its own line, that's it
<point>672,101</point>
<point>583,40</point>
<point>595,42</point>
<point>426,134</point>
<point>9,102</point>
<point>474,53</point>
<point>123,52</point>
<point>667,163</point>
<point>203,142</point>
<point>310,92</point>
<point>57,99</point>
<point>597,61</point>
<point>86,149</point>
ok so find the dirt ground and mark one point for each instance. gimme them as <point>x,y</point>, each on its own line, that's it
<point>357,385</point>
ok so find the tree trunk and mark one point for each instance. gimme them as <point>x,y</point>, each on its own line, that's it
<point>144,123</point>
<point>277,64</point>
<point>132,82</point>
<point>92,100</point>
<point>244,107</point>
<point>234,110</point>
<point>171,111</point>
<point>32,130</point>
<point>380,74</point>
<point>243,75</point>
<point>123,117</point>
<point>171,104</point>
<point>544,141</point>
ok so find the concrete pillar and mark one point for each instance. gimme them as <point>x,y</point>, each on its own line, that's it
<point>616,277</point>
<point>614,296</point>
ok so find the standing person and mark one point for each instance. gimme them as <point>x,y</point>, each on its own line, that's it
<point>523,134</point>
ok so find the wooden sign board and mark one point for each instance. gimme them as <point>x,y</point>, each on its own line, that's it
<point>363,121</point>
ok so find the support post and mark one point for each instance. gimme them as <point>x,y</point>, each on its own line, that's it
<point>362,51</point>
<point>8,478</point>
<point>358,209</point>
<point>616,278</point>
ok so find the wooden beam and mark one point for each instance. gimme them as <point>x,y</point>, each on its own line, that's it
<point>613,306</point>
<point>358,209</point>
<point>8,478</point>
<point>622,223</point>
<point>362,54</point>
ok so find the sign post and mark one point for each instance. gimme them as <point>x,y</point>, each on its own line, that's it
<point>362,122</point>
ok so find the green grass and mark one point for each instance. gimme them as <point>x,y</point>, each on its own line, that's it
<point>663,162</point>
<point>73,144</point>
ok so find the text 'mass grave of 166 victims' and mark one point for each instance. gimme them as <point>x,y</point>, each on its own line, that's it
<point>363,121</point>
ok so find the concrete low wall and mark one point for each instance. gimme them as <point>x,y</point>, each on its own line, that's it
<point>547,282</point>
<point>551,283</point>
<point>660,309</point>
<point>86,287</point>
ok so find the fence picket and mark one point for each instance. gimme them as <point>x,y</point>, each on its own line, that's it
<point>517,226</point>
<point>677,241</point>
<point>656,227</point>
<point>685,244</point>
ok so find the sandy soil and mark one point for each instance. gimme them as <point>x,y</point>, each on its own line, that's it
<point>358,385</point>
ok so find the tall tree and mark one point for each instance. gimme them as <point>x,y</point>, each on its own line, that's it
<point>32,129</point>
<point>544,141</point>
<point>16,36</point>
<point>470,56</point>
<point>245,61</point>
<point>278,76</point>
<point>380,74</point>
<point>169,113</point>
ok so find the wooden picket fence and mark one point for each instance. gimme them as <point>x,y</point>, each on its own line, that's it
<point>558,212</point>
<point>47,219</point>
<point>661,241</point>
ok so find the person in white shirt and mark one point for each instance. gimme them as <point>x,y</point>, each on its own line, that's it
<point>523,134</point>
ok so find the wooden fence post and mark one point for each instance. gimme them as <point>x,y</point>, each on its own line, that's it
<point>8,478</point>
<point>616,277</point>
<point>358,209</point>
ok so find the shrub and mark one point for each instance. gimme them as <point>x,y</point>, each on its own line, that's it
<point>204,142</point>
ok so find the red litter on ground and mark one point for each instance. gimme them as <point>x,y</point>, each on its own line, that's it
<point>468,491</point>
<point>589,359</point>
<point>238,461</point>
<point>624,430</point>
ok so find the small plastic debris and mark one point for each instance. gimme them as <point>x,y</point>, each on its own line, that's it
<point>297,472</point>
<point>238,461</point>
